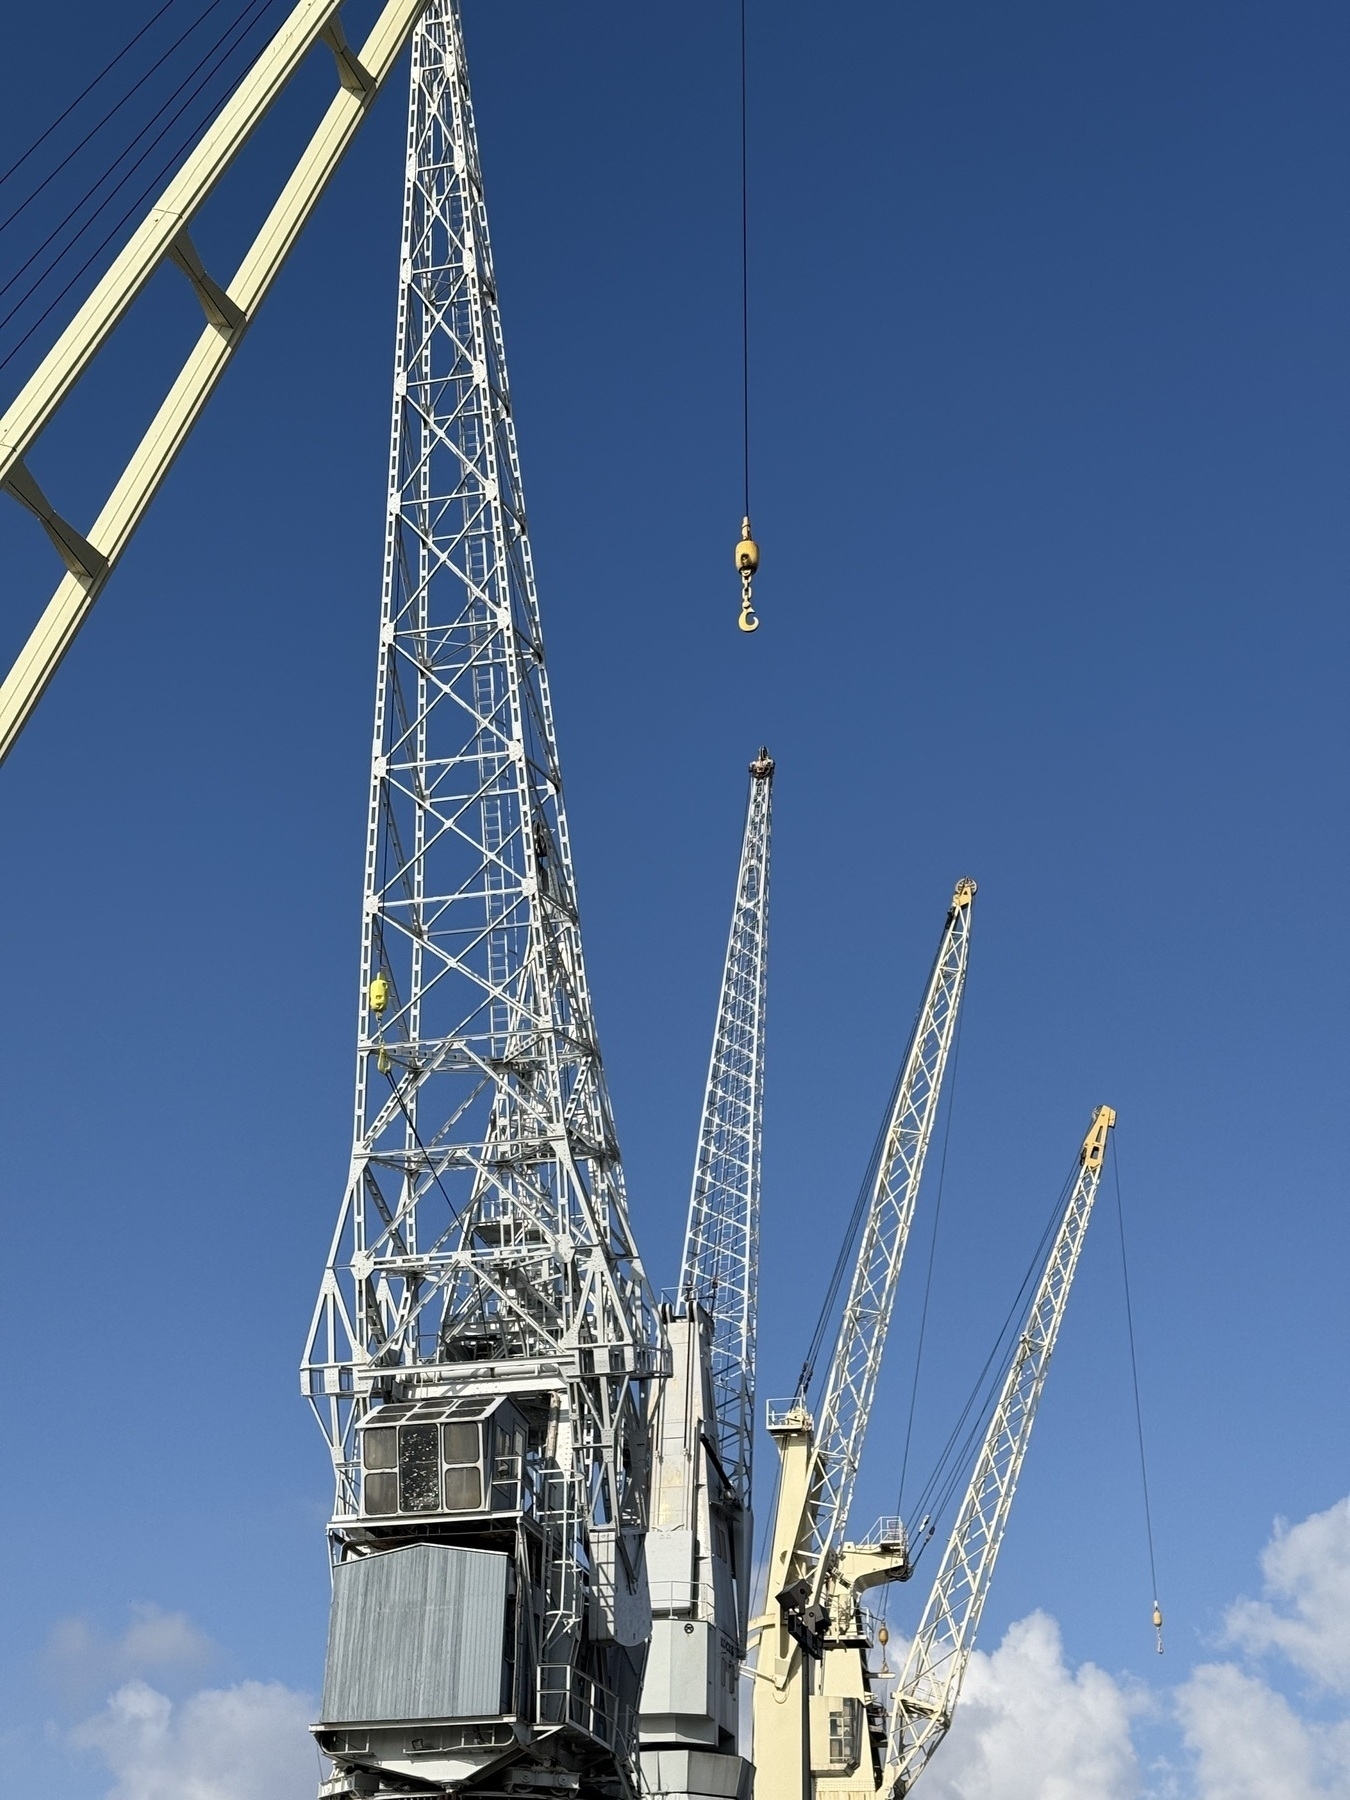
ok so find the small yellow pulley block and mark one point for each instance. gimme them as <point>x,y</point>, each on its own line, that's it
<point>379,994</point>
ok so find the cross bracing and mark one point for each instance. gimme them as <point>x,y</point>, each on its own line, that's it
<point>861,1340</point>
<point>721,1244</point>
<point>484,1225</point>
<point>926,1693</point>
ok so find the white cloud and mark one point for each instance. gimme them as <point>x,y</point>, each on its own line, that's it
<point>81,1657</point>
<point>1030,1728</point>
<point>242,1743</point>
<point>1248,1743</point>
<point>1306,1613</point>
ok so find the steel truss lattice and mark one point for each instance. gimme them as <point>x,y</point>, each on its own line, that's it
<point>861,1340</point>
<point>721,1243</point>
<point>484,1225</point>
<point>926,1693</point>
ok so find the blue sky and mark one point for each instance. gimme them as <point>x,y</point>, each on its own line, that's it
<point>1050,447</point>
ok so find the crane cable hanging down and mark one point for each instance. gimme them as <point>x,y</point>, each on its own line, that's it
<point>1138,1408</point>
<point>747,550</point>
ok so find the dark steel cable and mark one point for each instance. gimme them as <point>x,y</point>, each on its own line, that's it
<point>745,274</point>
<point>214,56</point>
<point>94,130</point>
<point>843,1260</point>
<point>83,94</point>
<point>164,168</point>
<point>1134,1378</point>
<point>957,1453</point>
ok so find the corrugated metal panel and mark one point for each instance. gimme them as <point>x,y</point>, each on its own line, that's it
<point>416,1634</point>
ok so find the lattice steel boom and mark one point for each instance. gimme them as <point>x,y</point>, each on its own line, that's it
<point>925,1695</point>
<point>699,1548</point>
<point>809,1563</point>
<point>483,1277</point>
<point>721,1240</point>
<point>861,1341</point>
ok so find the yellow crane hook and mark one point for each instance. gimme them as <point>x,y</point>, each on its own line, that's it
<point>747,561</point>
<point>1157,1625</point>
<point>883,1638</point>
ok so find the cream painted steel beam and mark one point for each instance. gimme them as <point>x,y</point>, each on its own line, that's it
<point>229,309</point>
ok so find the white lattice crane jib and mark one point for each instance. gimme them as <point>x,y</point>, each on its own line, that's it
<point>819,1462</point>
<point>929,1685</point>
<point>699,1547</point>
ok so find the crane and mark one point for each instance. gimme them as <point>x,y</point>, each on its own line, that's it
<point>485,1356</point>
<point>484,1341</point>
<point>929,1685</point>
<point>854,1746</point>
<point>819,1463</point>
<point>700,1536</point>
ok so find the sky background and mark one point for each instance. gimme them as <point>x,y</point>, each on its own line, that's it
<point>1050,450</point>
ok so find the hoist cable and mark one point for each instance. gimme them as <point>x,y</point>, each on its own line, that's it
<point>745,271</point>
<point>94,130</point>
<point>863,1203</point>
<point>83,94</point>
<point>928,1278</point>
<point>957,1453</point>
<point>1138,1408</point>
<point>174,160</point>
<point>841,1264</point>
<point>215,56</point>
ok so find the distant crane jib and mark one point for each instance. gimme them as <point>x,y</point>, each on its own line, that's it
<point>861,1340</point>
<point>925,1695</point>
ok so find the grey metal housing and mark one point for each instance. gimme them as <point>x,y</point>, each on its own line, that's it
<point>418,1633</point>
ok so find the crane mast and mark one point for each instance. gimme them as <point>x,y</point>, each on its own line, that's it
<point>819,1466</point>
<point>484,1337</point>
<point>926,1693</point>
<point>700,1541</point>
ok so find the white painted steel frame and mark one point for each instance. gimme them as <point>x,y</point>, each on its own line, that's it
<point>926,1693</point>
<point>861,1339</point>
<point>484,1231</point>
<point>721,1242</point>
<point>163,236</point>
